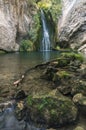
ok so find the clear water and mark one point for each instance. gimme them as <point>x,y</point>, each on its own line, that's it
<point>14,64</point>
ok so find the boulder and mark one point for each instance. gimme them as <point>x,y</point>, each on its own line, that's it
<point>80,100</point>
<point>72,25</point>
<point>51,109</point>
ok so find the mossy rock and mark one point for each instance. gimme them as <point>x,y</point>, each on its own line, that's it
<point>61,74</point>
<point>70,59</point>
<point>2,52</point>
<point>79,87</point>
<point>62,62</point>
<point>73,56</point>
<point>80,100</point>
<point>52,109</point>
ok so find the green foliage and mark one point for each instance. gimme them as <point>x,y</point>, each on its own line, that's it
<point>63,74</point>
<point>56,9</point>
<point>29,100</point>
<point>26,45</point>
<point>53,6</point>
<point>42,104</point>
<point>44,4</point>
<point>34,32</point>
<point>1,52</point>
<point>73,56</point>
<point>57,48</point>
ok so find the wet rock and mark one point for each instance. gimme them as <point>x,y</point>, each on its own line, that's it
<point>61,75</point>
<point>5,105</point>
<point>20,110</point>
<point>51,109</point>
<point>83,75</point>
<point>79,86</point>
<point>80,100</point>
<point>20,95</point>
<point>77,98</point>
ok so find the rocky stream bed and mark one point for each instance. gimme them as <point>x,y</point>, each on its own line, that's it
<point>51,95</point>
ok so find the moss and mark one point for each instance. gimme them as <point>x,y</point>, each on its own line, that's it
<point>79,87</point>
<point>73,56</point>
<point>56,9</point>
<point>35,31</point>
<point>70,59</point>
<point>29,100</point>
<point>61,75</point>
<point>54,108</point>
<point>63,62</point>
<point>1,52</point>
<point>57,48</point>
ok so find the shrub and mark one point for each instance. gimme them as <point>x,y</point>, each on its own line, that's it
<point>26,45</point>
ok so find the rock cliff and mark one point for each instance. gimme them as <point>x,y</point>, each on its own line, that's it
<point>72,24</point>
<point>15,20</point>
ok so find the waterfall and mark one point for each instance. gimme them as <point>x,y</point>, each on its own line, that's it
<point>45,44</point>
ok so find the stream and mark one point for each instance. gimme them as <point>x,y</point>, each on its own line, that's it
<point>11,67</point>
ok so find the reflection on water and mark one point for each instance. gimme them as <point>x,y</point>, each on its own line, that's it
<point>14,64</point>
<point>46,55</point>
<point>19,61</point>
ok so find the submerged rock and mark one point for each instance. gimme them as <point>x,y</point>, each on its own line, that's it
<point>20,95</point>
<point>52,109</point>
<point>72,26</point>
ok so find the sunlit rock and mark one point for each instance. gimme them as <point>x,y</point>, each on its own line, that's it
<point>72,24</point>
<point>14,23</point>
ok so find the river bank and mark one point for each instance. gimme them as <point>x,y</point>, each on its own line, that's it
<point>53,94</point>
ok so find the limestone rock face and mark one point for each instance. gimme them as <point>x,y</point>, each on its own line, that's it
<point>14,23</point>
<point>72,24</point>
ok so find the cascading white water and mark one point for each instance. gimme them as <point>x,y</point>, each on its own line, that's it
<point>45,45</point>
